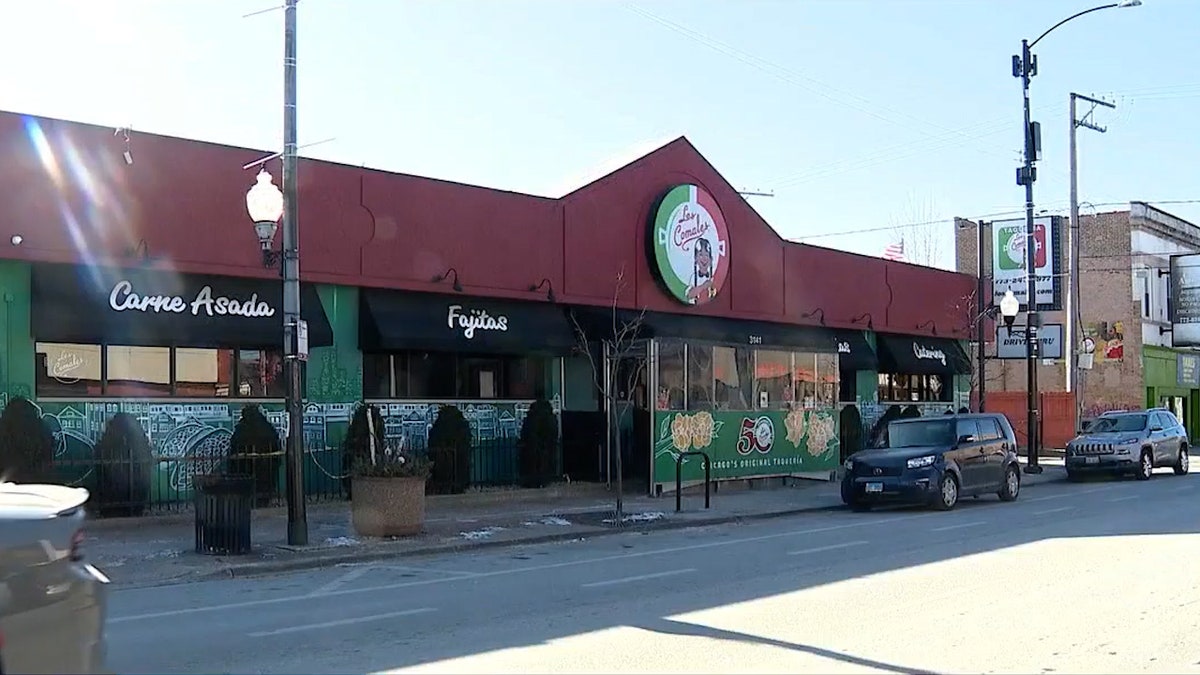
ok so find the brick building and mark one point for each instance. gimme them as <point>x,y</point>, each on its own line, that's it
<point>1123,313</point>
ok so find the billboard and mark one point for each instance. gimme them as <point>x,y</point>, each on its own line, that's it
<point>1011,344</point>
<point>1008,261</point>
<point>1185,300</point>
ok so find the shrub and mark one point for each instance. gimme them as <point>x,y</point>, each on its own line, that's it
<point>393,463</point>
<point>256,450</point>
<point>911,412</point>
<point>450,449</point>
<point>851,431</point>
<point>124,465</point>
<point>26,445</point>
<point>356,446</point>
<point>538,445</point>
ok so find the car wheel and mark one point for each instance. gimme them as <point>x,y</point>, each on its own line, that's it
<point>1012,485</point>
<point>1181,464</point>
<point>947,492</point>
<point>1145,466</point>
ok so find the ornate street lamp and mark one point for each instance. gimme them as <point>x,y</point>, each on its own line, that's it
<point>1009,308</point>
<point>264,202</point>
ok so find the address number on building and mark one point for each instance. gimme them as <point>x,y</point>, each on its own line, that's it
<point>756,339</point>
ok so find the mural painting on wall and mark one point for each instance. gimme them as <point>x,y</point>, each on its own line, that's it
<point>191,438</point>
<point>745,444</point>
<point>1105,341</point>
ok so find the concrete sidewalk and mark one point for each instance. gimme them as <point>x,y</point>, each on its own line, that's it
<point>153,551</point>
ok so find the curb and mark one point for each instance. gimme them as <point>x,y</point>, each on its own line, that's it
<point>259,569</point>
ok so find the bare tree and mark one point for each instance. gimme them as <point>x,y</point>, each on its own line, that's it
<point>919,231</point>
<point>967,310</point>
<point>610,365</point>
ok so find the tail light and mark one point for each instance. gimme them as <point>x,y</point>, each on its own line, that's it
<point>76,552</point>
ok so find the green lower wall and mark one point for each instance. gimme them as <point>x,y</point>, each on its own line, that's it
<point>1160,373</point>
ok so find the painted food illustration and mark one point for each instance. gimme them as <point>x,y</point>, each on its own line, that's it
<point>820,432</point>
<point>794,422</point>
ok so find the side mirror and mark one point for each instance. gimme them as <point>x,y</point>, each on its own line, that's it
<point>966,438</point>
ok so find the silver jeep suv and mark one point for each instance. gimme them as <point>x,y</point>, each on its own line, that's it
<point>1134,442</point>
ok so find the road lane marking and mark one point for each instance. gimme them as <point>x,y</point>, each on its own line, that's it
<point>519,570</point>
<point>1071,493</point>
<point>559,565</point>
<point>831,547</point>
<point>340,622</point>
<point>1049,511</point>
<point>640,577</point>
<point>342,580</point>
<point>960,526</point>
<point>1123,499</point>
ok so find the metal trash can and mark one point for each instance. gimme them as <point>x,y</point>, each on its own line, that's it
<point>223,506</point>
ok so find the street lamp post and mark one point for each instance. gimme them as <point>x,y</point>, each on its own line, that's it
<point>1025,67</point>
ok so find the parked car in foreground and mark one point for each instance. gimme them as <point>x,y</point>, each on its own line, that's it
<point>1129,442</point>
<point>936,461</point>
<point>52,604</point>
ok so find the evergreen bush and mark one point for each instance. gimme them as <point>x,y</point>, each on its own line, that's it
<point>124,468</point>
<point>538,445</point>
<point>450,450</point>
<point>26,445</point>
<point>256,450</point>
<point>356,446</point>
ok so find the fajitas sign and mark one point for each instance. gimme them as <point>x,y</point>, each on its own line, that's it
<point>690,241</point>
<point>123,298</point>
<point>472,320</point>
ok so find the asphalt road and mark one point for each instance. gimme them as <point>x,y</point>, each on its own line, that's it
<point>1096,577</point>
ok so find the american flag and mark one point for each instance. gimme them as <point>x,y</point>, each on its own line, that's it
<point>894,251</point>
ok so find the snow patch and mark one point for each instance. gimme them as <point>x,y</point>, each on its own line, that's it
<point>341,541</point>
<point>549,520</point>
<point>645,517</point>
<point>480,534</point>
<point>173,553</point>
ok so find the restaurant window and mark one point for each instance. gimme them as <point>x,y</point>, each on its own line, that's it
<point>68,370</point>
<point>700,377</point>
<point>203,373</point>
<point>913,388</point>
<point>733,378</point>
<point>260,374</point>
<point>446,375</point>
<point>81,371</point>
<point>773,379</point>
<point>138,371</point>
<point>827,379</point>
<point>670,375</point>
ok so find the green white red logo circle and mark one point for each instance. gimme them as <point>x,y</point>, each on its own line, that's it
<point>691,244</point>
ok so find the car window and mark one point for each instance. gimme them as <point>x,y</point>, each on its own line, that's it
<point>1119,423</point>
<point>921,433</point>
<point>989,429</point>
<point>1164,420</point>
<point>968,428</point>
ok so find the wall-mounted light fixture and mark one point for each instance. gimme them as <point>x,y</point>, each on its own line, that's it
<point>139,252</point>
<point>1163,331</point>
<point>447,274</point>
<point>865,316</point>
<point>16,239</point>
<point>815,312</point>
<point>928,324</point>
<point>548,284</point>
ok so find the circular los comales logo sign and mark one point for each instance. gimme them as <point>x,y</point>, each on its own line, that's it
<point>691,244</point>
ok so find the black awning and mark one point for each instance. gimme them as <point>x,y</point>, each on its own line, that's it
<point>86,304</point>
<point>912,355</point>
<point>854,352</point>
<point>598,323</point>
<point>395,320</point>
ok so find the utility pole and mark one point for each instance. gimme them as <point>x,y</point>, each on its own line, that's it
<point>1074,315</point>
<point>1025,67</point>
<point>297,530</point>
<point>981,292</point>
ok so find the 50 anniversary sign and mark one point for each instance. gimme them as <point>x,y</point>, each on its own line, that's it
<point>745,444</point>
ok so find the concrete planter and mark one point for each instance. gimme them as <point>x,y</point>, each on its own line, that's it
<point>388,507</point>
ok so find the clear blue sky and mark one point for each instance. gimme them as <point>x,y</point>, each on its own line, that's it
<point>858,114</point>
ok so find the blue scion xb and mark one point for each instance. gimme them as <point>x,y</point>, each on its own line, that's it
<point>935,461</point>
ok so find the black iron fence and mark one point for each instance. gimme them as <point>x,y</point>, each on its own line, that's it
<point>159,484</point>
